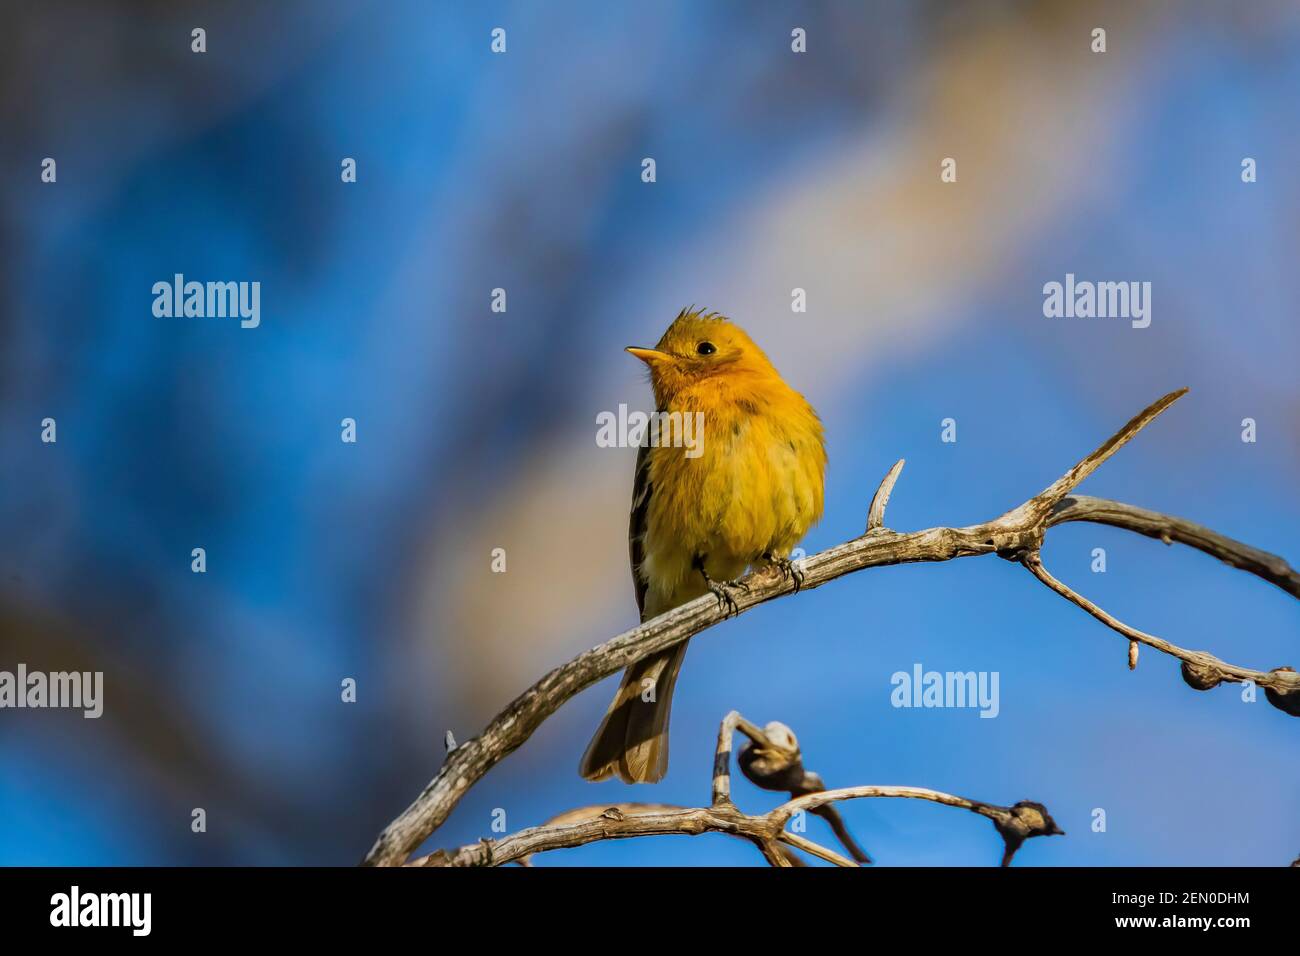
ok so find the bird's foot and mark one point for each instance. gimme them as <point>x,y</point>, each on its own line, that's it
<point>722,590</point>
<point>789,571</point>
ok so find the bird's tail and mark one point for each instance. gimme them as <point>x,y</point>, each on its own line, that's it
<point>632,740</point>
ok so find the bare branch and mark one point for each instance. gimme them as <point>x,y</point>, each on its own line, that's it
<point>582,814</point>
<point>624,821</point>
<point>1169,529</point>
<point>1205,662</point>
<point>1050,496</point>
<point>611,824</point>
<point>814,849</point>
<point>1014,535</point>
<point>722,756</point>
<point>766,831</point>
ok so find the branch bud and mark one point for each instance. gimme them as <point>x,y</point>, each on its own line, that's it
<point>1017,824</point>
<point>1201,676</point>
<point>1287,701</point>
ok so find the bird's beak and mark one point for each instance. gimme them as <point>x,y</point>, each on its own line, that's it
<point>649,356</point>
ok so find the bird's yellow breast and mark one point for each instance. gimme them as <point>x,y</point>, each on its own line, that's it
<point>756,487</point>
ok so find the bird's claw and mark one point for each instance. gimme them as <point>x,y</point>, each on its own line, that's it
<point>722,591</point>
<point>789,571</point>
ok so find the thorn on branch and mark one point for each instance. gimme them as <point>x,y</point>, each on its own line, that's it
<point>879,501</point>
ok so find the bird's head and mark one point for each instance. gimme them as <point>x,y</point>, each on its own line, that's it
<point>697,346</point>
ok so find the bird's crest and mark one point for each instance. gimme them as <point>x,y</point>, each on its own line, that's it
<point>691,313</point>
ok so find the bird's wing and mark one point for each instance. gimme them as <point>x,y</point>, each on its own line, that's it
<point>637,523</point>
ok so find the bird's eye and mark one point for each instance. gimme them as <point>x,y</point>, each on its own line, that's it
<point>706,348</point>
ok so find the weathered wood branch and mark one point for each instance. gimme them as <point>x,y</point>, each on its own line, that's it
<point>1169,529</point>
<point>766,831</point>
<point>1201,669</point>
<point>1016,536</point>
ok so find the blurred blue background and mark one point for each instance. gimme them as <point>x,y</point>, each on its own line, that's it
<point>476,430</point>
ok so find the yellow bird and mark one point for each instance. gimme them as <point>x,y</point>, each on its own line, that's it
<point>702,516</point>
